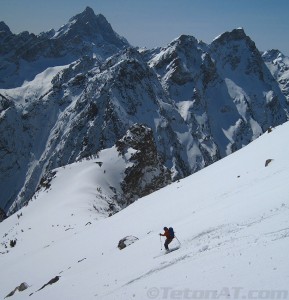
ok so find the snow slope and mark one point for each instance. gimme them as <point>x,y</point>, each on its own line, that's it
<point>231,219</point>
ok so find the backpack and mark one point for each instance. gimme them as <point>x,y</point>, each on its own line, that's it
<point>171,231</point>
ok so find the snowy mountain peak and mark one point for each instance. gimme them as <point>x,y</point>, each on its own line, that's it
<point>234,40</point>
<point>184,40</point>
<point>88,12</point>
<point>234,35</point>
<point>236,51</point>
<point>88,17</point>
<point>87,26</point>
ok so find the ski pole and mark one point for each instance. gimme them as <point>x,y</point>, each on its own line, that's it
<point>178,240</point>
<point>161,243</point>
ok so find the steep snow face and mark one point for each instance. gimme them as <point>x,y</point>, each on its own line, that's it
<point>245,98</point>
<point>233,231</point>
<point>238,59</point>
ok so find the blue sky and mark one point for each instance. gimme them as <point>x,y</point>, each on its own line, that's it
<point>153,23</point>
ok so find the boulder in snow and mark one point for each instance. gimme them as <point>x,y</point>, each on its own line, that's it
<point>22,287</point>
<point>128,240</point>
<point>267,162</point>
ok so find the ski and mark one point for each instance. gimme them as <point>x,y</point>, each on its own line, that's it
<point>167,252</point>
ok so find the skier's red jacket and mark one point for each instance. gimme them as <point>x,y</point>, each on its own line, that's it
<point>166,234</point>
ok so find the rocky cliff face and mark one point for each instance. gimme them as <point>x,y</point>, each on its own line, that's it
<point>278,64</point>
<point>198,103</point>
<point>146,172</point>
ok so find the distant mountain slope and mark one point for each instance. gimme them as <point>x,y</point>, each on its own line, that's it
<point>86,87</point>
<point>231,219</point>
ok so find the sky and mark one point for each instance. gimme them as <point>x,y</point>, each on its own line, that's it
<point>154,23</point>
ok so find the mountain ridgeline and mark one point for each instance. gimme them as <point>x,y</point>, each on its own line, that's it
<point>66,95</point>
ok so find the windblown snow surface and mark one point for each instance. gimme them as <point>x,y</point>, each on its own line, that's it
<point>231,218</point>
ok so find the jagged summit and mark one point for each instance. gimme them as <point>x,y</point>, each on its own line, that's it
<point>236,50</point>
<point>4,28</point>
<point>88,12</point>
<point>233,39</point>
<point>4,33</point>
<point>234,35</point>
<point>183,39</point>
<point>88,26</point>
<point>272,54</point>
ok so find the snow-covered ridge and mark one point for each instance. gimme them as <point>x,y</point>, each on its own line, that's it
<point>231,219</point>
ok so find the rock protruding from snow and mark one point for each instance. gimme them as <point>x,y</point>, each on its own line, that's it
<point>22,287</point>
<point>268,161</point>
<point>126,241</point>
<point>50,282</point>
<point>146,173</point>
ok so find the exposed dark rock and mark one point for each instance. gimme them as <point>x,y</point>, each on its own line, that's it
<point>268,161</point>
<point>125,242</point>
<point>147,174</point>
<point>45,181</point>
<point>22,287</point>
<point>13,243</point>
<point>50,282</point>
<point>2,215</point>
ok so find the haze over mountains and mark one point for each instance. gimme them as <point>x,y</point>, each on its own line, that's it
<point>66,95</point>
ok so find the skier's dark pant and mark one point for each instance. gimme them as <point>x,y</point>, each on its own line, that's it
<point>167,243</point>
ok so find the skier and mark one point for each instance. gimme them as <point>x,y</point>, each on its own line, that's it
<point>169,234</point>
